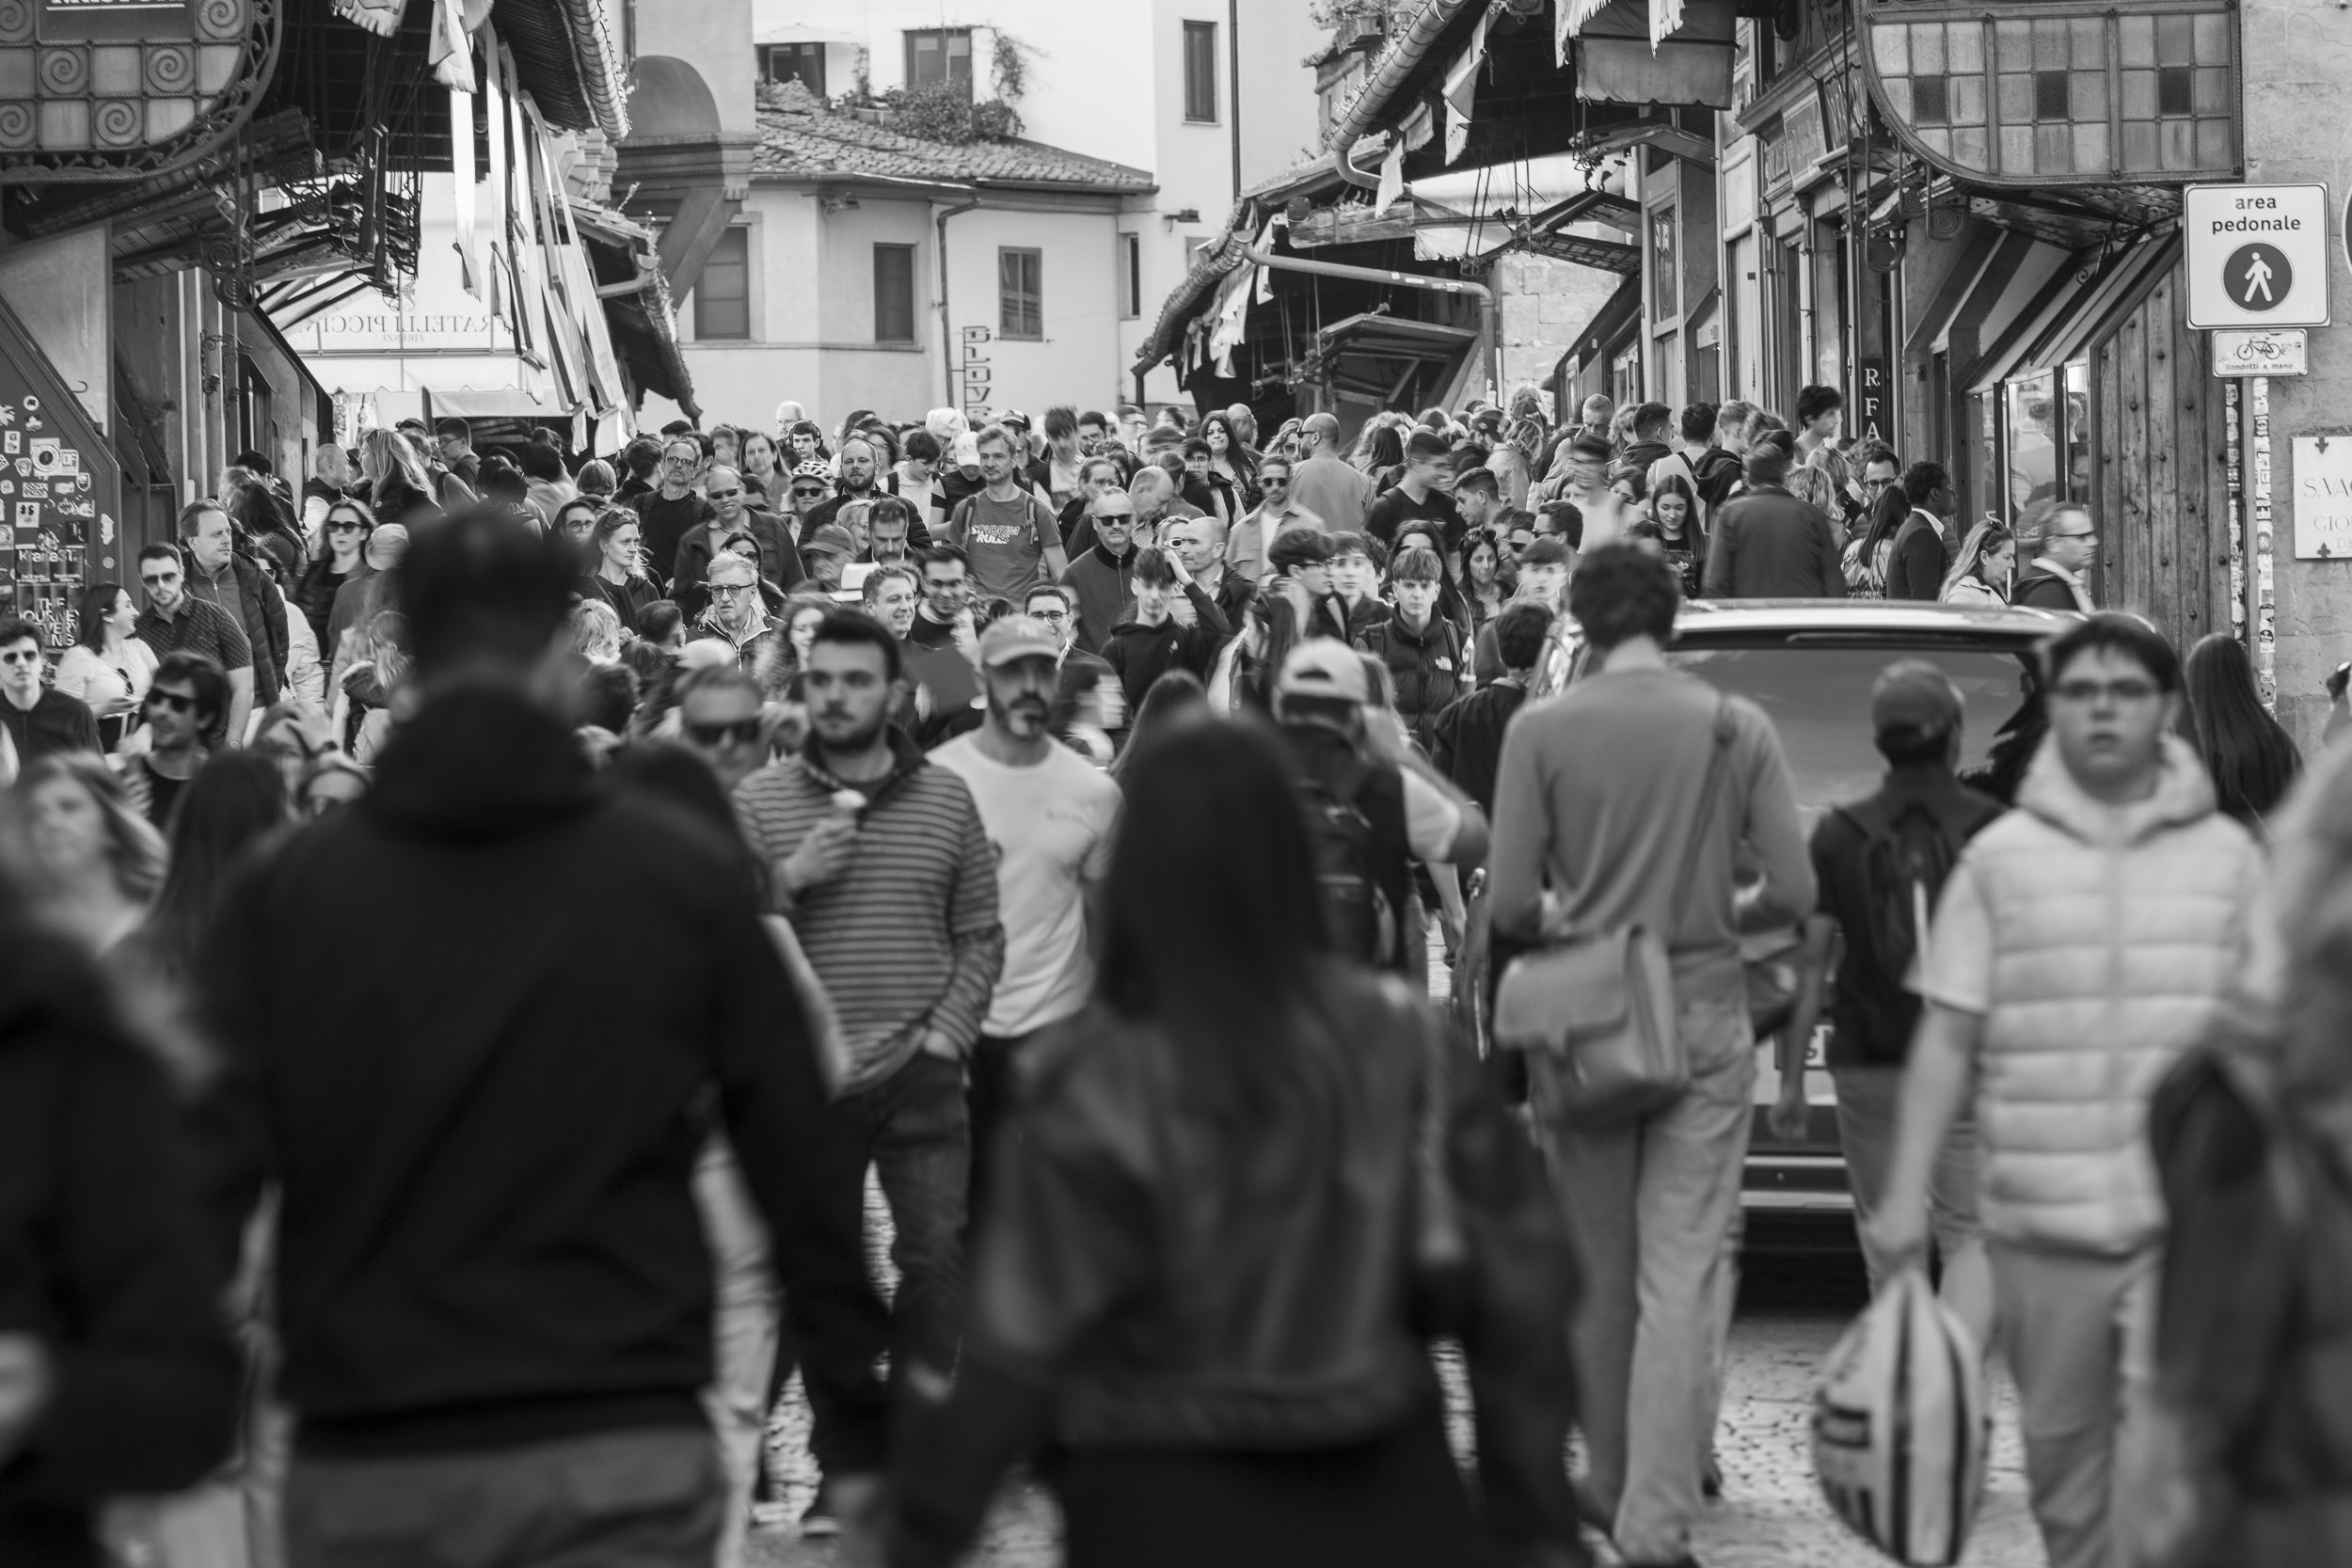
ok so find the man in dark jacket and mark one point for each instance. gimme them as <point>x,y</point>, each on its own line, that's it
<point>2070,539</point>
<point>1915,568</point>
<point>36,719</point>
<point>1466,742</point>
<point>1149,642</point>
<point>1103,576</point>
<point>1767,544</point>
<point>493,1290</point>
<point>1421,649</point>
<point>241,589</point>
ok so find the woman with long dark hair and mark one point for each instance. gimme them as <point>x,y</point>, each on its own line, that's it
<point>1211,1258</point>
<point>1229,458</point>
<point>342,558</point>
<point>1174,698</point>
<point>236,800</point>
<point>618,576</point>
<point>2249,756</point>
<point>90,860</point>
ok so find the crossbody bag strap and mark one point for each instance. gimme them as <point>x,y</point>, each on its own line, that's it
<point>1718,743</point>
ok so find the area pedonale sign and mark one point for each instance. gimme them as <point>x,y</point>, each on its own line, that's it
<point>2257,255</point>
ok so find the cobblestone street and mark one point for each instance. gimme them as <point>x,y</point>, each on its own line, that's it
<point>1771,1515</point>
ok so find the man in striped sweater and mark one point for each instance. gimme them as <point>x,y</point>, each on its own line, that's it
<point>879,860</point>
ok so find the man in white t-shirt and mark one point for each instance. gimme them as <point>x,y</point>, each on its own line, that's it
<point>1051,816</point>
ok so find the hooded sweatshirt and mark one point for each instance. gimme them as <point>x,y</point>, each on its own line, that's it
<point>2096,942</point>
<point>1142,654</point>
<point>484,1115</point>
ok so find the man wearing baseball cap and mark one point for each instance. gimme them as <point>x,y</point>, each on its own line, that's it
<point>826,551</point>
<point>1051,816</point>
<point>1866,856</point>
<point>1356,761</point>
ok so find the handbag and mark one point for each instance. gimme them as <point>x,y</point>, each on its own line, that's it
<point>1596,1014</point>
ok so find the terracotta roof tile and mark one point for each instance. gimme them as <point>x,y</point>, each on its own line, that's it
<point>800,138</point>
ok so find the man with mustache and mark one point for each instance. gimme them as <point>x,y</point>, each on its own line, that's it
<point>1051,816</point>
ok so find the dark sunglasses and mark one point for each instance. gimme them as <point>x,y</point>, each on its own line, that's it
<point>344,525</point>
<point>801,492</point>
<point>159,578</point>
<point>20,656</point>
<point>171,699</point>
<point>741,732</point>
<point>725,495</point>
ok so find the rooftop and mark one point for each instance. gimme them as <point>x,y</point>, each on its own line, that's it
<point>801,139</point>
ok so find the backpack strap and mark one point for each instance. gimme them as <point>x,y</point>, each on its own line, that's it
<point>1718,744</point>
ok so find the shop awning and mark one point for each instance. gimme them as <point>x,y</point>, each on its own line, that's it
<point>2010,278</point>
<point>639,317</point>
<point>1634,51</point>
<point>1374,355</point>
<point>1610,329</point>
<point>2071,316</point>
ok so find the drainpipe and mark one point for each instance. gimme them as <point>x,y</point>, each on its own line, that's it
<point>1490,323</point>
<point>947,334</point>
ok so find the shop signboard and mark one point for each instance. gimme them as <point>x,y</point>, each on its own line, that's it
<point>2257,255</point>
<point>59,488</point>
<point>2323,498</point>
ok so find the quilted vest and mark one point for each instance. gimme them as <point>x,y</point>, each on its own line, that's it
<point>2116,933</point>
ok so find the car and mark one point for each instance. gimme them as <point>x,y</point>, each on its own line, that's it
<point>1810,665</point>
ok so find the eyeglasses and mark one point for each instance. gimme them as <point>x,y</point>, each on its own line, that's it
<point>725,495</point>
<point>159,579</point>
<point>2121,691</point>
<point>739,732</point>
<point>1051,617</point>
<point>734,590</point>
<point>171,699</point>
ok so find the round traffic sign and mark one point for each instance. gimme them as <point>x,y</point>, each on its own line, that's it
<point>2257,276</point>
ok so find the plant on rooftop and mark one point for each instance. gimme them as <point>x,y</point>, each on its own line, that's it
<point>945,111</point>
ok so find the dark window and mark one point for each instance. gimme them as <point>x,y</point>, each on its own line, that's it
<point>894,294</point>
<point>1131,275</point>
<point>1930,100</point>
<point>2175,86</point>
<point>722,295</point>
<point>937,55</point>
<point>1201,71</point>
<point>2049,95</point>
<point>1020,293</point>
<point>789,62</point>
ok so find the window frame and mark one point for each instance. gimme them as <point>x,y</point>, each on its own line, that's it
<point>912,338</point>
<point>703,301</point>
<point>1007,329</point>
<point>1129,276</point>
<point>945,35</point>
<point>1203,89</point>
<point>769,51</point>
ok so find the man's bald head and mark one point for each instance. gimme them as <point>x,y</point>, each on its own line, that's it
<point>1322,432</point>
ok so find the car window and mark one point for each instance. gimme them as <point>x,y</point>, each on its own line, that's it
<point>1818,698</point>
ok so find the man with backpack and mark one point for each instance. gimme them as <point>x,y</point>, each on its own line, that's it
<point>1374,806</point>
<point>1882,863</point>
<point>2082,945</point>
<point>1004,529</point>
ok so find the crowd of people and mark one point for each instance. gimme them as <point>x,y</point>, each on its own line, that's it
<point>474,926</point>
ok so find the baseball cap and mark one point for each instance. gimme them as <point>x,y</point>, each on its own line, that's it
<point>1325,667</point>
<point>1913,694</point>
<point>833,537</point>
<point>967,450</point>
<point>1014,636</point>
<point>385,546</point>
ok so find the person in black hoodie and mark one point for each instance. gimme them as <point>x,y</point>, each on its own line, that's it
<point>1151,641</point>
<point>116,1370</point>
<point>493,1289</point>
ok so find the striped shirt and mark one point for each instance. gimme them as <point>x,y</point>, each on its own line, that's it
<point>909,938</point>
<point>199,626</point>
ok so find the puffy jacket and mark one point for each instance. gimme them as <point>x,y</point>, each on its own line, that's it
<point>1424,666</point>
<point>2116,933</point>
<point>260,613</point>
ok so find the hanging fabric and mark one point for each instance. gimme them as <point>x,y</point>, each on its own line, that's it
<point>380,17</point>
<point>1392,178</point>
<point>1461,92</point>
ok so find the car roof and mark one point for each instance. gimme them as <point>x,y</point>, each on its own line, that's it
<point>1702,619</point>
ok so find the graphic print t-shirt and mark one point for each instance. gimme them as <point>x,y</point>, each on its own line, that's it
<point>1006,541</point>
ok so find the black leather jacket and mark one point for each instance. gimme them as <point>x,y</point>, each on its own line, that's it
<point>1142,1282</point>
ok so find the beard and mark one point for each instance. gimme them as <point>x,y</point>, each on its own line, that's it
<point>839,732</point>
<point>1023,718</point>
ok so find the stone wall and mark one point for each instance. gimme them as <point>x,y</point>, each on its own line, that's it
<point>1544,305</point>
<point>2298,75</point>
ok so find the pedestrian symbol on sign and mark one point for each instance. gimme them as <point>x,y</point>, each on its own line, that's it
<point>2257,276</point>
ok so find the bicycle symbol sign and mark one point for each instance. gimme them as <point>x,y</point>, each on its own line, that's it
<point>2257,276</point>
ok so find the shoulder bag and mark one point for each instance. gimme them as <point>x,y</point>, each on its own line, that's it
<point>1595,1013</point>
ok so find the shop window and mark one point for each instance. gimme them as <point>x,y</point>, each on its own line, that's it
<point>2175,90</point>
<point>1665,274</point>
<point>1931,100</point>
<point>1131,275</point>
<point>722,295</point>
<point>804,63</point>
<point>894,294</point>
<point>2050,95</point>
<point>936,55</point>
<point>2034,435</point>
<point>1020,293</point>
<point>1201,71</point>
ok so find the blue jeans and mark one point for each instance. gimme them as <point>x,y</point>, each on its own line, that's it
<point>915,1130</point>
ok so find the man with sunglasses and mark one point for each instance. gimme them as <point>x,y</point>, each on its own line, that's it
<point>674,509</point>
<point>38,718</point>
<point>721,719</point>
<point>1247,541</point>
<point>2082,943</point>
<point>182,709</point>
<point>175,618</point>
<point>779,562</point>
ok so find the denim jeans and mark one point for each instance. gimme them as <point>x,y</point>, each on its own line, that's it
<point>916,1130</point>
<point>646,1499</point>
<point>1650,1205</point>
